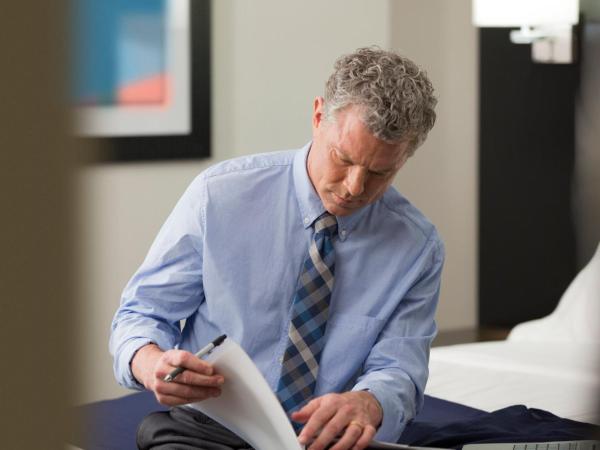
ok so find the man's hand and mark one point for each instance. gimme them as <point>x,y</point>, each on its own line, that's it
<point>197,382</point>
<point>351,416</point>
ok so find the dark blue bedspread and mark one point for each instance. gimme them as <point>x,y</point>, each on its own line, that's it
<point>512,424</point>
<point>112,424</point>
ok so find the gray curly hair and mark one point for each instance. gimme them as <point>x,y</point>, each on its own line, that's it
<point>395,95</point>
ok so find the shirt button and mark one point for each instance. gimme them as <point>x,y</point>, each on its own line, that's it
<point>306,220</point>
<point>280,359</point>
<point>343,233</point>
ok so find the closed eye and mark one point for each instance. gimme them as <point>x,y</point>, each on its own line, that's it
<point>378,174</point>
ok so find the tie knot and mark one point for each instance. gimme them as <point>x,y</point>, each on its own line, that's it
<point>327,224</point>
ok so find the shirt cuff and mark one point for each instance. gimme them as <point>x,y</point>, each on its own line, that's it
<point>392,423</point>
<point>123,371</point>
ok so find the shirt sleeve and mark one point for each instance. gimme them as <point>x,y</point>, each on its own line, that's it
<point>166,289</point>
<point>396,370</point>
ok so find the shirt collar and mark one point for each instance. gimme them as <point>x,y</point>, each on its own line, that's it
<point>309,201</point>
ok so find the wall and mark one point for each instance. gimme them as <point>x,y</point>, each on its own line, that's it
<point>586,189</point>
<point>270,59</point>
<point>441,179</point>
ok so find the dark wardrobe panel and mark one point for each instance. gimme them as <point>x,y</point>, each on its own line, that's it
<point>527,243</point>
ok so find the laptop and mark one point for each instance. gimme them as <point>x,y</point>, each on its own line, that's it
<point>555,445</point>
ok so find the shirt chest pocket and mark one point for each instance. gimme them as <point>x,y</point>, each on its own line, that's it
<point>349,340</point>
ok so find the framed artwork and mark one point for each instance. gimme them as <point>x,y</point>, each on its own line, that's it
<point>141,82</point>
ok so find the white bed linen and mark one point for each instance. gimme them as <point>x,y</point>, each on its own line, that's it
<point>561,378</point>
<point>552,363</point>
<point>575,319</point>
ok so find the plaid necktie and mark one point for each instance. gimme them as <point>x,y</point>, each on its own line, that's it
<point>310,309</point>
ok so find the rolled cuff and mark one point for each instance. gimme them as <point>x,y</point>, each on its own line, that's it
<point>122,367</point>
<point>394,418</point>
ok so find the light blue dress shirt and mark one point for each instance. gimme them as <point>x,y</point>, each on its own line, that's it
<point>228,259</point>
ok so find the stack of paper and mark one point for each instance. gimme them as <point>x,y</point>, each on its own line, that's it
<point>249,408</point>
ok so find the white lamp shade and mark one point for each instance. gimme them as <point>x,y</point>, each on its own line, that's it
<point>516,13</point>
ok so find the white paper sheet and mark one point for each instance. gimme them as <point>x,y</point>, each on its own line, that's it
<point>247,406</point>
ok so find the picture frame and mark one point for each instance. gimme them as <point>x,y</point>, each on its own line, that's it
<point>150,133</point>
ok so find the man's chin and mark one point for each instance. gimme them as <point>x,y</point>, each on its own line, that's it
<point>341,210</point>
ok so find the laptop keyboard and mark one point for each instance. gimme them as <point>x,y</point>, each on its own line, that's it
<point>574,445</point>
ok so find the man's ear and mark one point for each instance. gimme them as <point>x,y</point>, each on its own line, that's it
<point>317,116</point>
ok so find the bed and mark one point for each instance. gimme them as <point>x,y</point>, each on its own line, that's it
<point>541,383</point>
<point>112,424</point>
<point>551,363</point>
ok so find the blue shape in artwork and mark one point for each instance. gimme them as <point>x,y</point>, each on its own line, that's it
<point>116,42</point>
<point>138,57</point>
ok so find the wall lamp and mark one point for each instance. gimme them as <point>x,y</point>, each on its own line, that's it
<point>548,25</point>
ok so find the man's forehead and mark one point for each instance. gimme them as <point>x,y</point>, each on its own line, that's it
<point>349,123</point>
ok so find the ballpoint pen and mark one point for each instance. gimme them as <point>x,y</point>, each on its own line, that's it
<point>199,354</point>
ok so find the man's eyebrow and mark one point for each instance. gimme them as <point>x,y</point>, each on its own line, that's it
<point>344,156</point>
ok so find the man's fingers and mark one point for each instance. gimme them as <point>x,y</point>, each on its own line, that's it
<point>169,400</point>
<point>303,414</point>
<point>183,392</point>
<point>334,427</point>
<point>186,390</point>
<point>315,424</point>
<point>348,416</point>
<point>191,378</point>
<point>188,377</point>
<point>181,358</point>
<point>197,372</point>
<point>367,436</point>
<point>351,437</point>
<point>174,400</point>
<point>197,382</point>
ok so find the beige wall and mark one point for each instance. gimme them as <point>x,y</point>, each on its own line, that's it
<point>270,59</point>
<point>441,179</point>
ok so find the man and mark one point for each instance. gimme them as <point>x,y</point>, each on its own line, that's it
<point>311,261</point>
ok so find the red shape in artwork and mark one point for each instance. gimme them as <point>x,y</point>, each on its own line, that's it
<point>148,90</point>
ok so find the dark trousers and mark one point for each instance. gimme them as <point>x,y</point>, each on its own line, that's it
<point>186,429</point>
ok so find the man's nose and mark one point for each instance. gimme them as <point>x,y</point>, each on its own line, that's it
<point>355,181</point>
